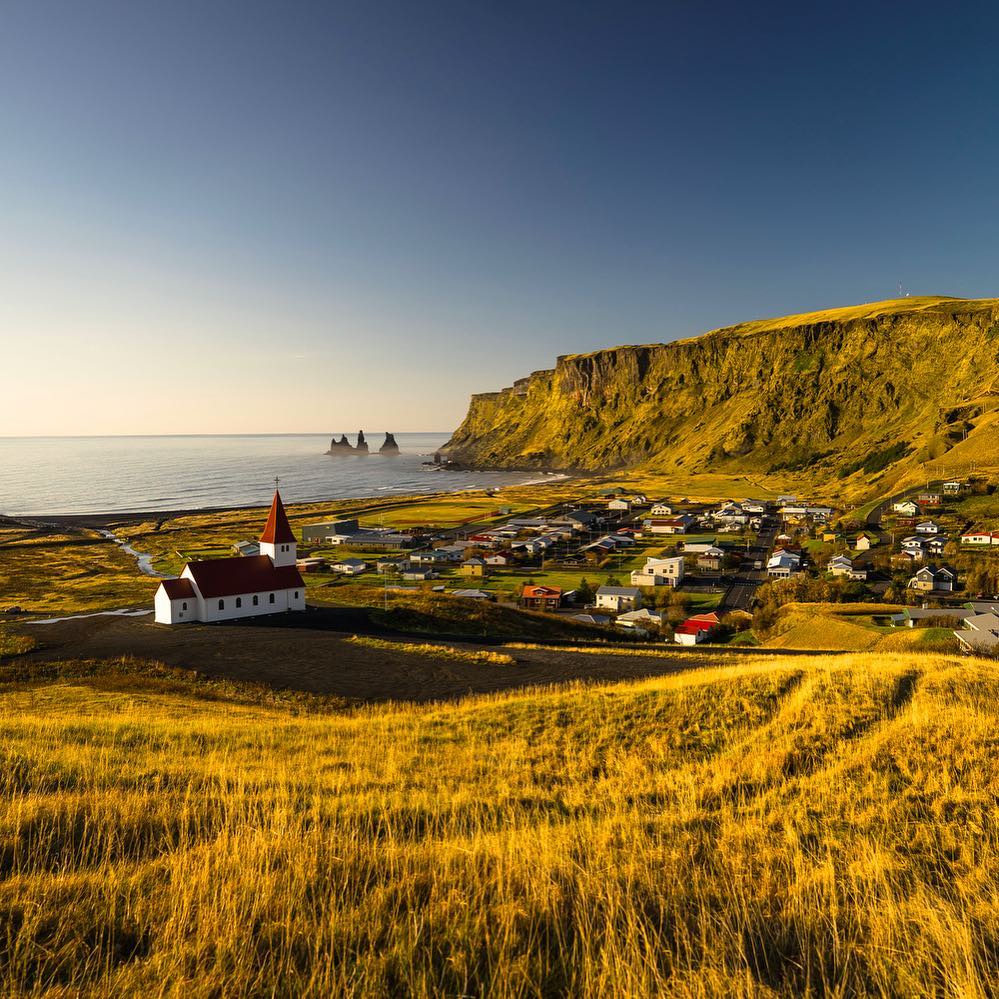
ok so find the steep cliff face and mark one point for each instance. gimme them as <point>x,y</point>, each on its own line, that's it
<point>832,387</point>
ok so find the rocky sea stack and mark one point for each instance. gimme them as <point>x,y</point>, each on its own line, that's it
<point>390,446</point>
<point>362,444</point>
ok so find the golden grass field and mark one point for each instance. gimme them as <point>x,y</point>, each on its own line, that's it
<point>797,825</point>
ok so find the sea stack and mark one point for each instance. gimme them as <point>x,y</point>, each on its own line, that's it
<point>362,444</point>
<point>390,446</point>
<point>341,446</point>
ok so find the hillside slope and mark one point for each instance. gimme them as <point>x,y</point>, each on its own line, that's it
<point>828,389</point>
<point>800,825</point>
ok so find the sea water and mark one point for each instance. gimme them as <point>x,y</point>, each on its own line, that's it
<point>78,475</point>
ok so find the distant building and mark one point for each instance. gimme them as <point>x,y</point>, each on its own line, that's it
<point>545,598</point>
<point>619,598</point>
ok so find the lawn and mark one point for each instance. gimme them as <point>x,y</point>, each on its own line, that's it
<point>774,826</point>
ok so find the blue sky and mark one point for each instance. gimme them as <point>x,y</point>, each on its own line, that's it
<point>223,217</point>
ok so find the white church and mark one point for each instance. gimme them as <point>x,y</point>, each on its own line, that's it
<point>225,589</point>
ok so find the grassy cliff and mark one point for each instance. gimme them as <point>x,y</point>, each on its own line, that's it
<point>806,825</point>
<point>850,391</point>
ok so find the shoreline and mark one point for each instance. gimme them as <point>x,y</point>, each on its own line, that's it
<point>102,520</point>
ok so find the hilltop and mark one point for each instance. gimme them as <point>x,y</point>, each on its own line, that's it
<point>799,825</point>
<point>842,394</point>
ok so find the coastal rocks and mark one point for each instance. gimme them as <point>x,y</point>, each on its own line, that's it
<point>343,446</point>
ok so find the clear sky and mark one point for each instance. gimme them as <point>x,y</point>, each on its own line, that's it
<point>244,217</point>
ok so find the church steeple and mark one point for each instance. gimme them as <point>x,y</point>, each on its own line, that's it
<point>278,539</point>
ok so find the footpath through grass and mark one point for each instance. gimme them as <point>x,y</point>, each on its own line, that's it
<point>822,825</point>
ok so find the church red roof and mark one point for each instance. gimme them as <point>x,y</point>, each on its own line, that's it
<point>178,589</point>
<point>277,530</point>
<point>227,577</point>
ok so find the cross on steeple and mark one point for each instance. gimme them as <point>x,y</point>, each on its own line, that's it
<point>276,481</point>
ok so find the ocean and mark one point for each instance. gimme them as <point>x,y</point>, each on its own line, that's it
<point>80,475</point>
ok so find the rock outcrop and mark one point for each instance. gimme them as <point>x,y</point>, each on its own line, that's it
<point>389,446</point>
<point>343,446</point>
<point>907,378</point>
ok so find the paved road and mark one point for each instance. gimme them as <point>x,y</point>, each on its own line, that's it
<point>746,581</point>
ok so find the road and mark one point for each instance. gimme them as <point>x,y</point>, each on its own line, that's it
<point>742,589</point>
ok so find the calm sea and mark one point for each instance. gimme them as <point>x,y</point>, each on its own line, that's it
<point>40,475</point>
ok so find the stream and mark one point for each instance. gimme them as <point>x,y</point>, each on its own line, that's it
<point>144,562</point>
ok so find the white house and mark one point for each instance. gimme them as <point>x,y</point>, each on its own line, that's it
<point>620,503</point>
<point>659,572</point>
<point>905,508</point>
<point>980,634</point>
<point>661,510</point>
<point>927,527</point>
<point>225,589</point>
<point>349,566</point>
<point>865,543</point>
<point>980,538</point>
<point>619,598</point>
<point>783,565</point>
<point>840,565</point>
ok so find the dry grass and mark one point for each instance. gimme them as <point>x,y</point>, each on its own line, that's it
<point>13,644</point>
<point>820,825</point>
<point>437,651</point>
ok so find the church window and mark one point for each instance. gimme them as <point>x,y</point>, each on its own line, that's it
<point>239,601</point>
<point>256,600</point>
<point>272,598</point>
<point>221,605</point>
<point>296,594</point>
<point>184,606</point>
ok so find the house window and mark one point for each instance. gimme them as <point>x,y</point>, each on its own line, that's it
<point>221,605</point>
<point>256,600</point>
<point>296,594</point>
<point>272,598</point>
<point>184,605</point>
<point>239,602</point>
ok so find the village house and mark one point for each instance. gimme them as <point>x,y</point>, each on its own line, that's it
<point>600,620</point>
<point>980,538</point>
<point>840,565</point>
<point>639,619</point>
<point>696,629</point>
<point>711,559</point>
<point>930,578</point>
<point>659,572</point>
<point>417,573</point>
<point>927,527</point>
<point>865,542</point>
<point>349,566</point>
<point>952,488</point>
<point>619,598</point>
<point>936,545</point>
<point>620,503</point>
<point>914,546</point>
<point>225,589</point>
<point>661,510</point>
<point>929,499</point>
<point>472,594</point>
<point>980,633</point>
<point>783,564</point>
<point>906,508</point>
<point>673,525</point>
<point>501,558</point>
<point>475,566</point>
<point>543,598</point>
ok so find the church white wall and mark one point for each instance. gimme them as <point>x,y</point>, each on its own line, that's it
<point>284,600</point>
<point>169,611</point>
